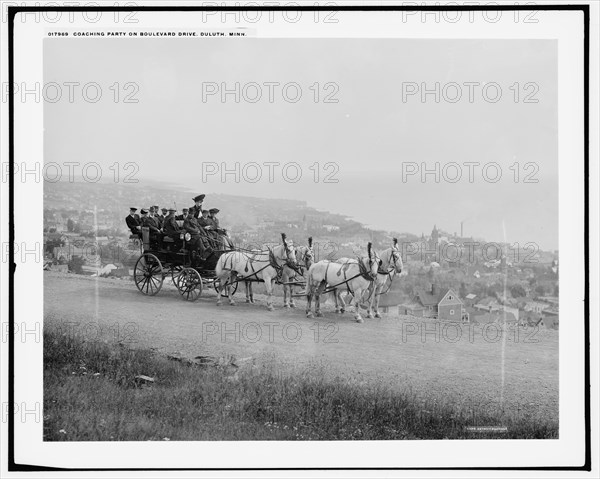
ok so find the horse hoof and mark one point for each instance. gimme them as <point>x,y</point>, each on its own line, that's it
<point>377,315</point>
<point>370,316</point>
<point>342,311</point>
<point>309,315</point>
<point>286,305</point>
<point>247,300</point>
<point>231,303</point>
<point>292,305</point>
<point>359,320</point>
<point>319,314</point>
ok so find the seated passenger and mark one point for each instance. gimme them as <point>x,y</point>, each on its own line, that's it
<point>149,222</point>
<point>134,222</point>
<point>183,215</point>
<point>205,221</point>
<point>199,241</point>
<point>221,232</point>
<point>171,228</point>
<point>196,210</point>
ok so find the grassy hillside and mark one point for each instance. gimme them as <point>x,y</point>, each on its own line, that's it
<point>91,394</point>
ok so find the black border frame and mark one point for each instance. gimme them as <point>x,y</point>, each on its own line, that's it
<point>585,9</point>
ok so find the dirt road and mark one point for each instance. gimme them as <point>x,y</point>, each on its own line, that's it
<point>478,367</point>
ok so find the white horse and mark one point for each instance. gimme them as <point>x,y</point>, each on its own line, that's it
<point>305,257</point>
<point>354,275</point>
<point>264,266</point>
<point>391,264</point>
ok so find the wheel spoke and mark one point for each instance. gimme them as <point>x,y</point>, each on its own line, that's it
<point>143,283</point>
<point>151,285</point>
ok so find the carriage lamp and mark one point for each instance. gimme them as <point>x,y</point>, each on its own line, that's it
<point>188,236</point>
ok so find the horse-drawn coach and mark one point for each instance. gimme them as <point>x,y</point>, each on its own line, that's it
<point>165,256</point>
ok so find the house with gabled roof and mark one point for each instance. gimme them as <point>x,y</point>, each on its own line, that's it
<point>444,305</point>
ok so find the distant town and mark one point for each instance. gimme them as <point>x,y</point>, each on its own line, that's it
<point>448,276</point>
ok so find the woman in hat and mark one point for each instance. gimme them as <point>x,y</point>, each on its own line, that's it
<point>196,210</point>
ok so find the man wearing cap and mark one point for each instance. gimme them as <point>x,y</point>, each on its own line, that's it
<point>196,210</point>
<point>133,221</point>
<point>171,228</point>
<point>150,222</point>
<point>183,215</point>
<point>155,213</point>
<point>165,213</point>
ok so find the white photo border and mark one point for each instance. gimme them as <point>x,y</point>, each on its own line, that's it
<point>571,450</point>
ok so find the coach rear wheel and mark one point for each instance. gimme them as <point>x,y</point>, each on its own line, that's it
<point>233,287</point>
<point>189,284</point>
<point>148,274</point>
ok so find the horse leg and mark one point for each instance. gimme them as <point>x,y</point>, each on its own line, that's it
<point>309,295</point>
<point>357,316</point>
<point>269,287</point>
<point>318,292</point>
<point>232,278</point>
<point>341,301</point>
<point>220,289</point>
<point>251,292</point>
<point>371,301</point>
<point>286,303</point>
<point>376,301</point>
<point>292,302</point>
<point>335,300</point>
<point>247,288</point>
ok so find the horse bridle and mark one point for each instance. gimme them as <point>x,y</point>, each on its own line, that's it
<point>306,256</point>
<point>368,272</point>
<point>389,273</point>
<point>392,264</point>
<point>289,262</point>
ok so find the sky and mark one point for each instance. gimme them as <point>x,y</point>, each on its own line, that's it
<point>179,133</point>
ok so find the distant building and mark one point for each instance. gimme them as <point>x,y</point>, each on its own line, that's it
<point>487,304</point>
<point>536,306</point>
<point>470,299</point>
<point>444,305</point>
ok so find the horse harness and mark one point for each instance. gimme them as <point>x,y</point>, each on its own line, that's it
<point>272,262</point>
<point>362,271</point>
